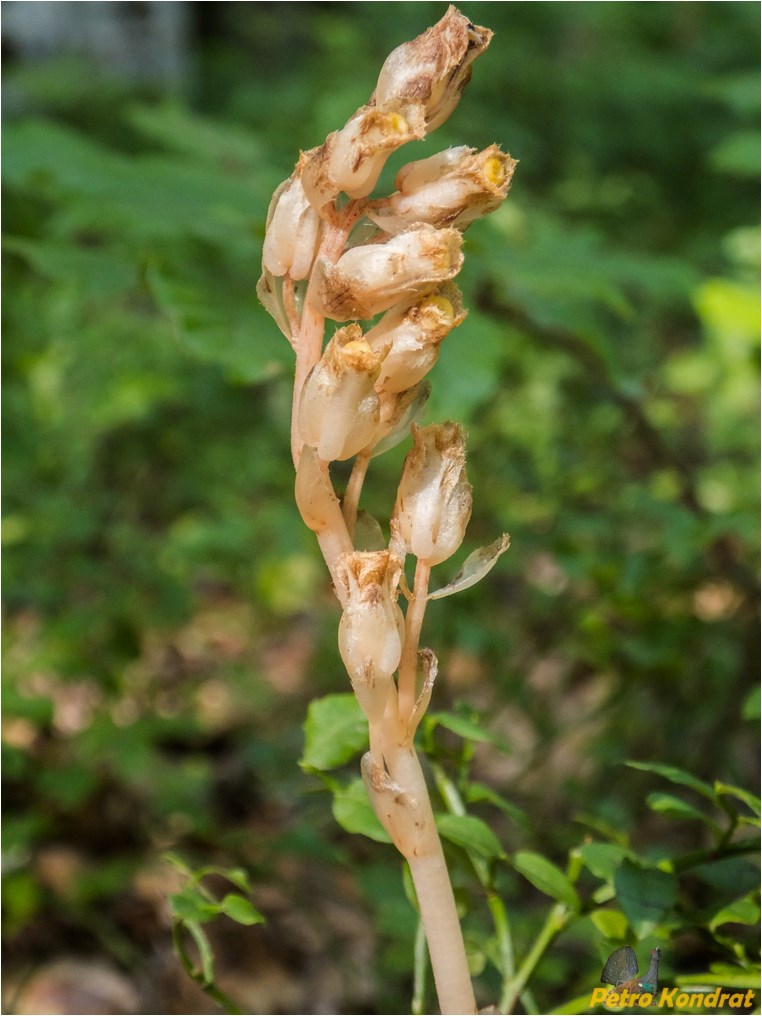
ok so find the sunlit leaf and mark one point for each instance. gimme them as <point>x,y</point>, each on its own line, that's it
<point>335,730</point>
<point>675,807</point>
<point>472,834</point>
<point>611,923</point>
<point>675,775</point>
<point>469,730</point>
<point>743,911</point>
<point>354,812</point>
<point>240,910</point>
<point>728,790</point>
<point>190,905</point>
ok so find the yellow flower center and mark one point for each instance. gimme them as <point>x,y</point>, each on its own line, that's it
<point>440,304</point>
<point>494,170</point>
<point>396,123</point>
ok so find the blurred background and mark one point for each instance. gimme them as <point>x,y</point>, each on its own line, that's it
<point>167,616</point>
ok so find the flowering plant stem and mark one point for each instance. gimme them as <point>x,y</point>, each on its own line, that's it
<point>359,395</point>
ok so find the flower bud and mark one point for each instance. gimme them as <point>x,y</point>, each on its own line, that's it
<point>434,496</point>
<point>435,67</point>
<point>293,231</point>
<point>413,332</point>
<point>451,188</point>
<point>339,408</point>
<point>351,159</point>
<point>372,626</point>
<point>373,277</point>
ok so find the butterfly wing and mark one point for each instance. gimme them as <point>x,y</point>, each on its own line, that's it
<point>621,966</point>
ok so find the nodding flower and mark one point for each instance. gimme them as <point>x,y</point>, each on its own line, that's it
<point>350,160</point>
<point>293,231</point>
<point>452,188</point>
<point>434,496</point>
<point>412,332</point>
<point>434,68</point>
<point>340,409</point>
<point>373,277</point>
<point>372,626</point>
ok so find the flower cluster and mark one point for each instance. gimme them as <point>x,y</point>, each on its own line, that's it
<point>333,250</point>
<point>383,269</point>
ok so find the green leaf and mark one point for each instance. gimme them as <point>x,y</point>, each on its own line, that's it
<point>189,905</point>
<point>545,876</point>
<point>603,859</point>
<point>737,154</point>
<point>240,910</point>
<point>471,833</point>
<point>721,975</point>
<point>645,895</point>
<point>743,911</point>
<point>468,729</point>
<point>729,873</point>
<point>675,807</point>
<point>237,876</point>
<point>611,923</point>
<point>476,792</point>
<point>178,862</point>
<point>750,710</point>
<point>675,775</point>
<point>354,812</point>
<point>749,799</point>
<point>475,567</point>
<point>335,732</point>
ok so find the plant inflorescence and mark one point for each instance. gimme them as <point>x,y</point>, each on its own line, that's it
<point>334,251</point>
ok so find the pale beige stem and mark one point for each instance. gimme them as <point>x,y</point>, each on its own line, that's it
<point>308,344</point>
<point>413,624</point>
<point>423,850</point>
<point>333,543</point>
<point>354,489</point>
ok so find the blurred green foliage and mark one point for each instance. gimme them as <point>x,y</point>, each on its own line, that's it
<point>167,617</point>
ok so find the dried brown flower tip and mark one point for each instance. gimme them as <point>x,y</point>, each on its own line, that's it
<point>434,68</point>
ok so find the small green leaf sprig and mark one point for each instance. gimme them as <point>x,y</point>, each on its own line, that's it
<point>196,905</point>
